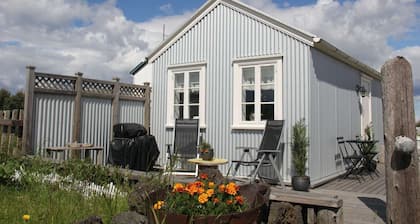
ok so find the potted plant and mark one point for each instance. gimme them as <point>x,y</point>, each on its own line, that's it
<point>300,142</point>
<point>206,152</point>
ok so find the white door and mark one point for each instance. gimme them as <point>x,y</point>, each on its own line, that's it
<point>366,106</point>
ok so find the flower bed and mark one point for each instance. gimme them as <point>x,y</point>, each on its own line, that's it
<point>203,201</point>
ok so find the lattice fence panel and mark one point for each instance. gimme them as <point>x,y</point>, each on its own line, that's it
<point>132,91</point>
<point>54,83</point>
<point>97,87</point>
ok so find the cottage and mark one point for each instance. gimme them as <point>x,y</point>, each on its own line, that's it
<point>234,67</point>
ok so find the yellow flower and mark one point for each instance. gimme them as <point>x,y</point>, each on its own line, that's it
<point>26,217</point>
<point>203,198</point>
<point>158,205</point>
<point>211,184</point>
<point>178,188</point>
<point>210,192</point>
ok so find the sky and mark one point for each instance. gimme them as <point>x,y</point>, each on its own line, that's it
<point>107,38</point>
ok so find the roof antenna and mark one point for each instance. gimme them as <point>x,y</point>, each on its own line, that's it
<point>163,33</point>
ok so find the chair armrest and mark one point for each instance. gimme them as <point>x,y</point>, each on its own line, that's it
<point>246,147</point>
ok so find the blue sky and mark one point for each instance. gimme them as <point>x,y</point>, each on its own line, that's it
<point>107,38</point>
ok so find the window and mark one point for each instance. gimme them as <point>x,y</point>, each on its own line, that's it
<point>257,93</point>
<point>186,94</point>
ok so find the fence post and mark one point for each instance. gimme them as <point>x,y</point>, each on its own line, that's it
<point>27,141</point>
<point>19,133</point>
<point>77,112</point>
<point>116,102</point>
<point>3,142</point>
<point>12,131</point>
<point>147,106</point>
<point>401,168</point>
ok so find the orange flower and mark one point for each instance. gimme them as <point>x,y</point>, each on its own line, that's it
<point>210,192</point>
<point>198,184</point>
<point>216,200</point>
<point>191,189</point>
<point>221,188</point>
<point>158,205</point>
<point>239,200</point>
<point>211,184</point>
<point>204,176</point>
<point>231,188</point>
<point>178,187</point>
<point>229,202</point>
<point>200,190</point>
<point>203,198</point>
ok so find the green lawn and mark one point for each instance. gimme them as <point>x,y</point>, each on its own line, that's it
<point>48,204</point>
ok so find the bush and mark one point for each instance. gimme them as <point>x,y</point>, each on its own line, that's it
<point>299,144</point>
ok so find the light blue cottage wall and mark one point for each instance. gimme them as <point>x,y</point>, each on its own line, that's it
<point>223,35</point>
<point>335,112</point>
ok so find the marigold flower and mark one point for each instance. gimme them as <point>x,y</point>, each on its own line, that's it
<point>178,187</point>
<point>211,184</point>
<point>210,192</point>
<point>221,188</point>
<point>229,202</point>
<point>199,184</point>
<point>26,217</point>
<point>204,176</point>
<point>203,198</point>
<point>200,190</point>
<point>239,200</point>
<point>158,205</point>
<point>231,188</point>
<point>191,189</point>
<point>216,200</point>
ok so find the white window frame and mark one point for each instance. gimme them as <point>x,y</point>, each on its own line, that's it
<point>186,69</point>
<point>257,124</point>
<point>365,78</point>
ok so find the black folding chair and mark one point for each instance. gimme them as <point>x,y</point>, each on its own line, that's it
<point>267,153</point>
<point>353,159</point>
<point>184,147</point>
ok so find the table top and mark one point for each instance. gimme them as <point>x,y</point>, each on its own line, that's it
<point>362,141</point>
<point>63,148</point>
<point>214,162</point>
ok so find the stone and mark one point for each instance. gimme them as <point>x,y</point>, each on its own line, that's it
<point>129,218</point>
<point>90,220</point>
<point>137,199</point>
<point>404,144</point>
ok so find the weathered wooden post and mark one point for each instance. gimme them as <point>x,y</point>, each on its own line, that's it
<point>147,106</point>
<point>12,132</point>
<point>19,129</point>
<point>27,141</point>
<point>77,114</point>
<point>6,131</point>
<point>401,161</point>
<point>116,102</point>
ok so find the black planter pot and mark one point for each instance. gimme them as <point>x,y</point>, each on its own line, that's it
<point>301,183</point>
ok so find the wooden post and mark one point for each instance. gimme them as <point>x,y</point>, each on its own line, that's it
<point>19,134</point>
<point>116,102</point>
<point>3,140</point>
<point>27,141</point>
<point>147,106</point>
<point>12,133</point>
<point>7,132</point>
<point>401,169</point>
<point>77,114</point>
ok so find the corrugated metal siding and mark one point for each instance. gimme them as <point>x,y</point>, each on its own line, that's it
<point>335,112</point>
<point>131,111</point>
<point>226,34</point>
<point>53,121</point>
<point>96,123</point>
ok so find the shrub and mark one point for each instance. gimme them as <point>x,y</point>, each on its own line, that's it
<point>299,144</point>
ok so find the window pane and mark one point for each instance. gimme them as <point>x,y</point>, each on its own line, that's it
<point>194,79</point>
<point>267,93</point>
<point>193,112</point>
<point>179,97</point>
<point>248,111</point>
<point>179,112</point>
<point>267,112</point>
<point>267,74</point>
<point>248,76</point>
<point>194,96</point>
<point>248,94</point>
<point>179,80</point>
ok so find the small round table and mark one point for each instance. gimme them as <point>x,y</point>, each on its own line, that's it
<point>210,168</point>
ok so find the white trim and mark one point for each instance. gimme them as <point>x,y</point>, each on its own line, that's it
<point>364,79</point>
<point>188,65</point>
<point>170,121</point>
<point>237,122</point>
<point>256,59</point>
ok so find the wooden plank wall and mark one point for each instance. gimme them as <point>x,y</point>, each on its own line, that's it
<point>11,127</point>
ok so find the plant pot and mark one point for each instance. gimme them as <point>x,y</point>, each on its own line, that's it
<point>301,183</point>
<point>207,154</point>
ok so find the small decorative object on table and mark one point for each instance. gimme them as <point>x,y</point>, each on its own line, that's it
<point>206,152</point>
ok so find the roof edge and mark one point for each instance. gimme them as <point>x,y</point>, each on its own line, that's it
<point>139,66</point>
<point>329,49</point>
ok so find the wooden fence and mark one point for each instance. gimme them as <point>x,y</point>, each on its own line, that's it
<point>11,125</point>
<point>62,109</point>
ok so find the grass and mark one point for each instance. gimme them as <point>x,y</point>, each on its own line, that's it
<point>48,204</point>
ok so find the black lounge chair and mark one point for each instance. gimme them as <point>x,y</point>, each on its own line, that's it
<point>184,147</point>
<point>267,153</point>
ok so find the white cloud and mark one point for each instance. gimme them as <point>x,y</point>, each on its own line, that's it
<point>67,36</point>
<point>166,8</point>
